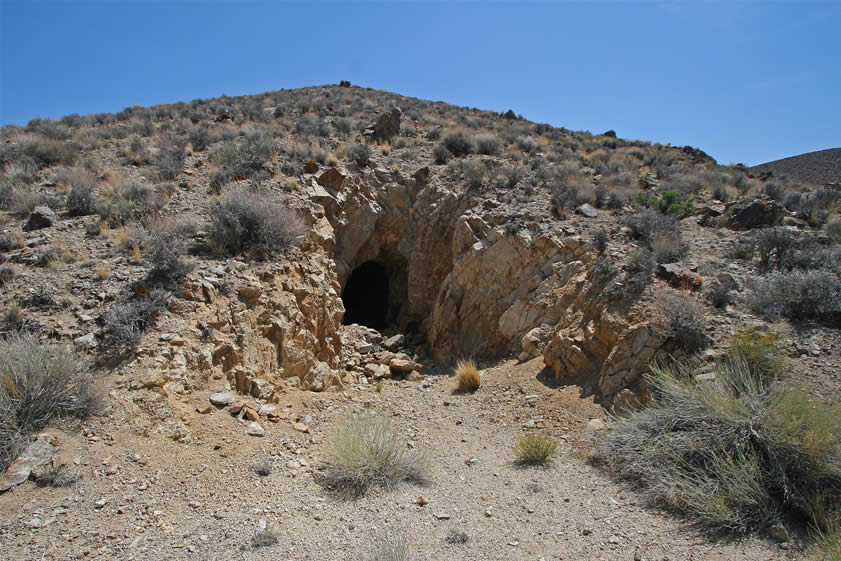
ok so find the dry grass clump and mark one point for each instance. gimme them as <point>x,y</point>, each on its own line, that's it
<point>365,451</point>
<point>37,383</point>
<point>535,449</point>
<point>467,376</point>
<point>264,537</point>
<point>386,548</point>
<point>729,450</point>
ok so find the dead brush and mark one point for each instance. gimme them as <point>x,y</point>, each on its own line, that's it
<point>467,376</point>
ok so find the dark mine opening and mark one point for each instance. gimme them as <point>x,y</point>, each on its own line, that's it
<point>366,296</point>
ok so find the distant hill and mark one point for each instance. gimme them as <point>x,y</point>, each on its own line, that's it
<point>823,166</point>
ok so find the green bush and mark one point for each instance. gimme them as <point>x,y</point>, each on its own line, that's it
<point>535,449</point>
<point>760,351</point>
<point>727,449</point>
<point>365,451</point>
<point>38,383</point>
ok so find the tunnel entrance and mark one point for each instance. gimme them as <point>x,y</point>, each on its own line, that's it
<point>366,296</point>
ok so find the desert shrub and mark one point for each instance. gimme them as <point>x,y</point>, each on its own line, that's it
<point>37,383</point>
<point>603,271</point>
<point>246,159</point>
<point>567,195</point>
<point>467,376</point>
<point>475,173</point>
<point>527,144</point>
<point>726,449</point>
<point>759,351</point>
<point>441,155</point>
<point>264,537</point>
<point>343,126</point>
<point>366,450</point>
<point>488,145</point>
<point>263,466</point>
<point>385,548</point>
<point>11,240</point>
<point>256,219</point>
<point>127,319</point>
<point>687,183</point>
<point>721,193</point>
<point>645,223</point>
<point>81,201</point>
<point>129,201</point>
<point>684,320</point>
<point>360,154</point>
<point>46,152</point>
<point>669,202</point>
<point>773,245</point>
<point>200,138</point>
<point>668,246</point>
<point>833,231</point>
<point>535,449</point>
<point>720,294</point>
<point>459,144</point>
<point>59,475</point>
<point>639,272</point>
<point>7,273</point>
<point>164,246</point>
<point>600,238</point>
<point>797,295</point>
<point>169,161</point>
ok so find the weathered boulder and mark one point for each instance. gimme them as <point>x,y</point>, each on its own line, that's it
<point>386,126</point>
<point>755,212</point>
<point>587,210</point>
<point>34,457</point>
<point>679,277</point>
<point>41,217</point>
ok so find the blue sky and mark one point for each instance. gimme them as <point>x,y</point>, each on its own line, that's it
<point>745,81</point>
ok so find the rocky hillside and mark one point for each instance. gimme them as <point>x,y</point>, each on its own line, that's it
<point>814,168</point>
<point>223,263</point>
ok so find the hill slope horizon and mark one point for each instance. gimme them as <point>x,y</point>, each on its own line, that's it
<point>821,166</point>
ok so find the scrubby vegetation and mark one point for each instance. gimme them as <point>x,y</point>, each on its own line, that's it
<point>38,383</point>
<point>467,376</point>
<point>729,449</point>
<point>365,451</point>
<point>246,219</point>
<point>535,449</point>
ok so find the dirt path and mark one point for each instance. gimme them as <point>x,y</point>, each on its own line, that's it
<point>147,497</point>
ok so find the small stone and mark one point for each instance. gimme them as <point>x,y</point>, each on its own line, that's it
<point>779,533</point>
<point>221,399</point>
<point>255,429</point>
<point>100,503</point>
<point>300,427</point>
<point>204,409</point>
<point>442,516</point>
<point>596,424</point>
<point>421,501</point>
<point>267,411</point>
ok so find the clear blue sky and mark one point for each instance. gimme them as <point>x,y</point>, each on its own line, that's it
<point>747,82</point>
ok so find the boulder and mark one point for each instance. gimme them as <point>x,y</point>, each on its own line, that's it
<point>221,399</point>
<point>311,167</point>
<point>679,277</point>
<point>333,178</point>
<point>587,210</point>
<point>34,457</point>
<point>41,217</point>
<point>756,212</point>
<point>386,126</point>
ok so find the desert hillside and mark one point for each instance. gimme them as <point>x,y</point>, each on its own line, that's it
<point>814,168</point>
<point>340,323</point>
